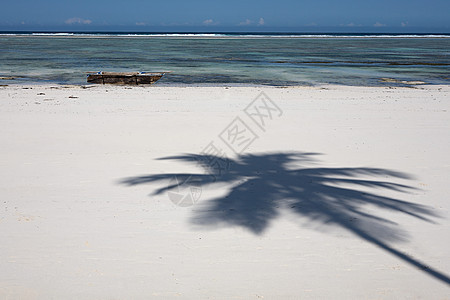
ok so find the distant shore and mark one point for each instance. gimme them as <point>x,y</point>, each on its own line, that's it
<point>226,34</point>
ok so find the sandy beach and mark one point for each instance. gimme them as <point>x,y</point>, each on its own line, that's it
<point>331,192</point>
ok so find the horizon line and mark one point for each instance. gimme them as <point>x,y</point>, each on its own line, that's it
<point>219,31</point>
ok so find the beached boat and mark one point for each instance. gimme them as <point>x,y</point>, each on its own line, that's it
<point>124,77</point>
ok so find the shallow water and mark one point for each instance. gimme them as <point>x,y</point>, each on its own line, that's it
<point>239,60</point>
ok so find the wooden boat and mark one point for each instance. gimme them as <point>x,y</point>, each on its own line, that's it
<point>124,77</point>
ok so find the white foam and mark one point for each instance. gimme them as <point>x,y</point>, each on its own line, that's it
<point>53,34</point>
<point>225,35</point>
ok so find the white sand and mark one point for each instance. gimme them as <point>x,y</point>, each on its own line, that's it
<point>70,230</point>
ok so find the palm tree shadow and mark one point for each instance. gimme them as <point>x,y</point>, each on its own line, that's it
<point>262,185</point>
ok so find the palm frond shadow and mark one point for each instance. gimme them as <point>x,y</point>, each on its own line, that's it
<point>262,185</point>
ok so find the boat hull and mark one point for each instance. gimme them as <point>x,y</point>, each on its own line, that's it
<point>124,78</point>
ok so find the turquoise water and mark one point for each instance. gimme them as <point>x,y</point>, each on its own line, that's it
<point>280,60</point>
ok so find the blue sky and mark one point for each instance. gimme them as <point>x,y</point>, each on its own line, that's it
<point>230,15</point>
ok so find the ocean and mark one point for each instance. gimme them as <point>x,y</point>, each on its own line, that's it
<point>277,59</point>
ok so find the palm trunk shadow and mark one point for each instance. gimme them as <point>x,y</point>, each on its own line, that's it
<point>264,184</point>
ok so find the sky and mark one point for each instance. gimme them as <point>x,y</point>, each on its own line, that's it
<point>230,15</point>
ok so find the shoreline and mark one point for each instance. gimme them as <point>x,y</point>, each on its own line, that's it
<point>225,87</point>
<point>384,83</point>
